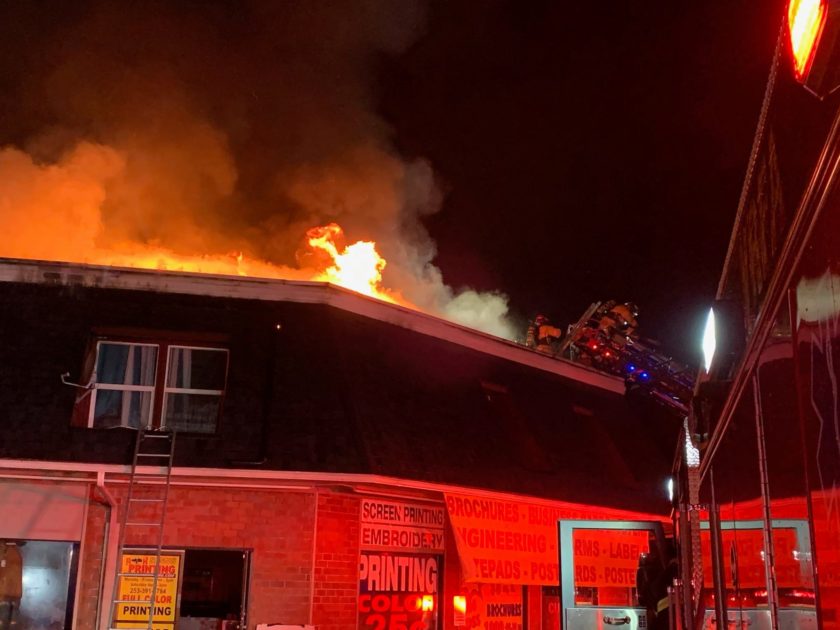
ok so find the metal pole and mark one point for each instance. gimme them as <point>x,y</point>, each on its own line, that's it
<point>769,552</point>
<point>717,557</point>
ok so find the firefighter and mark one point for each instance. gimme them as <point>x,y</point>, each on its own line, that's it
<point>618,319</point>
<point>533,331</point>
<point>653,578</point>
<point>542,336</point>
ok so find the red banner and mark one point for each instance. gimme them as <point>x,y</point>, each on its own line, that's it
<point>514,542</point>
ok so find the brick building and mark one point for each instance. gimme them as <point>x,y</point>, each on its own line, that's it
<point>339,461</point>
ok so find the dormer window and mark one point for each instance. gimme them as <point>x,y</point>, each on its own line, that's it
<point>138,384</point>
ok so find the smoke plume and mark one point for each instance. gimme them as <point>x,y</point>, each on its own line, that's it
<point>139,130</point>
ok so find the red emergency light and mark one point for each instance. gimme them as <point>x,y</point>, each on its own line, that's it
<point>813,27</point>
<point>806,19</point>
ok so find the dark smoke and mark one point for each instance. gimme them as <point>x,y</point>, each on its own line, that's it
<point>212,127</point>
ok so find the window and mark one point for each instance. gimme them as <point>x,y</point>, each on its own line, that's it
<point>141,384</point>
<point>124,385</point>
<point>213,587</point>
<point>195,382</point>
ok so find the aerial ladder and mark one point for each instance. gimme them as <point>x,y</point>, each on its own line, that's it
<point>604,338</point>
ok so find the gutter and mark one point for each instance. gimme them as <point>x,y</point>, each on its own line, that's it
<point>109,502</point>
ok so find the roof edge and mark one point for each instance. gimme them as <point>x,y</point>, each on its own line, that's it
<point>13,469</point>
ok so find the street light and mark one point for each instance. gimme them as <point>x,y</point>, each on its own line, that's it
<point>709,342</point>
<point>723,340</point>
<point>723,346</point>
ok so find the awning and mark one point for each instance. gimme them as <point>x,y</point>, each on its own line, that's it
<point>511,541</point>
<point>33,511</point>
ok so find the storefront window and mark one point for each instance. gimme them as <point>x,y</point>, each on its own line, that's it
<point>399,590</point>
<point>37,584</point>
<point>212,591</point>
<point>400,565</point>
<point>606,562</point>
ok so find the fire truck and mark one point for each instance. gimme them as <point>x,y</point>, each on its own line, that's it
<point>756,478</point>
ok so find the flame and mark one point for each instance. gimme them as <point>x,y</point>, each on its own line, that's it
<point>357,267</point>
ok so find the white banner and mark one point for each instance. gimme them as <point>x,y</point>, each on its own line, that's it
<point>399,526</point>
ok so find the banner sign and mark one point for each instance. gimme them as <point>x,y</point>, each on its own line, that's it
<point>138,589</point>
<point>494,606</point>
<point>398,526</point>
<point>512,542</point>
<point>398,591</point>
<point>608,558</point>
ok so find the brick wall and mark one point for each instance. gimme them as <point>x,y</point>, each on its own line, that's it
<point>90,563</point>
<point>277,526</point>
<point>336,562</point>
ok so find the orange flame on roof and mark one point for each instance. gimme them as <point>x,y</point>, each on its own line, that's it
<point>357,267</point>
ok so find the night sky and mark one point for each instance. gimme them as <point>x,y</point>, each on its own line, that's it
<point>588,153</point>
<point>556,152</point>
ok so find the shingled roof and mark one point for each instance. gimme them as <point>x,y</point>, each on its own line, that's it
<point>346,384</point>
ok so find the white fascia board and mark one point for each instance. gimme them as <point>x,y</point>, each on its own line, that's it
<point>273,479</point>
<point>249,288</point>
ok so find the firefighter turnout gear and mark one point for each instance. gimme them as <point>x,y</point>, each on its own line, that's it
<point>653,577</point>
<point>618,319</point>
<point>542,336</point>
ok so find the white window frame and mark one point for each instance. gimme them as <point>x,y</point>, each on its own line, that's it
<point>179,390</point>
<point>121,387</point>
<point>159,386</point>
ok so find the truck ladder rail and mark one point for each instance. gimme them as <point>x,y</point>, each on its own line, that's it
<point>645,369</point>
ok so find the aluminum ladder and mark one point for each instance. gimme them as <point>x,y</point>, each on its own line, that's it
<point>153,449</point>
